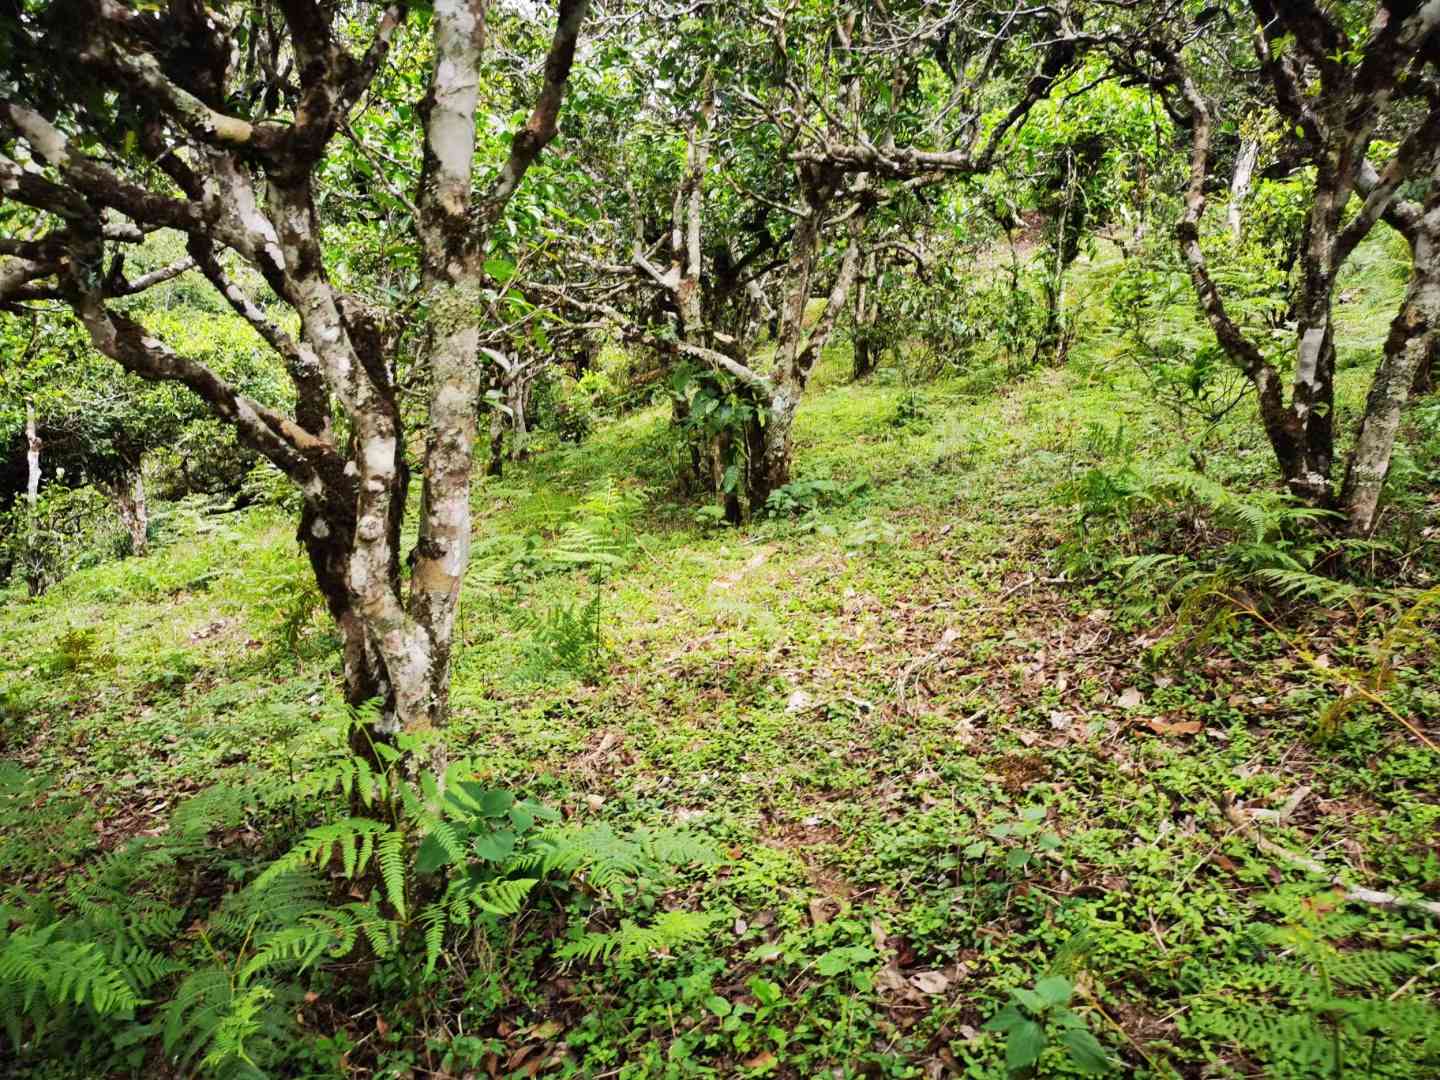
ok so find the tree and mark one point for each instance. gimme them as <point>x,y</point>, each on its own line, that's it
<point>121,120</point>
<point>785,131</point>
<point>1343,78</point>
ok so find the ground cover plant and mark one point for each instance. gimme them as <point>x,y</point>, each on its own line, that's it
<point>892,636</point>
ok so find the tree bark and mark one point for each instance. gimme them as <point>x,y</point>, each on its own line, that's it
<point>797,351</point>
<point>247,188</point>
<point>497,444</point>
<point>867,309</point>
<point>1408,347</point>
<point>134,514</point>
<point>32,457</point>
<point>1240,182</point>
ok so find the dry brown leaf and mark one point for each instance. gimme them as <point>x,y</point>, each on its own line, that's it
<point>930,982</point>
<point>1180,727</point>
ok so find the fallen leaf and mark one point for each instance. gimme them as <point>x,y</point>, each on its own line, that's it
<point>822,910</point>
<point>762,1060</point>
<point>930,982</point>
<point>1181,727</point>
<point>595,802</point>
<point>799,701</point>
<point>1130,699</point>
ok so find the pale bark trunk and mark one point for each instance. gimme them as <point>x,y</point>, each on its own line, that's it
<point>248,187</point>
<point>134,514</point>
<point>796,352</point>
<point>32,457</point>
<point>1407,348</point>
<point>1240,183</point>
<point>520,426</point>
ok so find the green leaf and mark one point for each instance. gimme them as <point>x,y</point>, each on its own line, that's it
<point>1017,859</point>
<point>1007,1018</point>
<point>843,959</point>
<point>495,846</point>
<point>496,803</point>
<point>1022,1049</point>
<point>499,270</point>
<point>975,850</point>
<point>717,1005</point>
<point>1030,999</point>
<point>766,992</point>
<point>431,856</point>
<point>1055,989</point>
<point>521,818</point>
<point>1085,1051</point>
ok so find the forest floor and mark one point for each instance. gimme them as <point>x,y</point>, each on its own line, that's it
<point>944,757</point>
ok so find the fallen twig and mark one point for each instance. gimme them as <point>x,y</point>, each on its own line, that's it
<point>1356,893</point>
<point>941,648</point>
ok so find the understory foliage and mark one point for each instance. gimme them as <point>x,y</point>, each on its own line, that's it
<point>178,944</point>
<point>1320,995</point>
<point>954,592</point>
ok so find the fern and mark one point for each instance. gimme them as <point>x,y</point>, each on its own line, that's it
<point>391,858</point>
<point>632,941</point>
<point>607,861</point>
<point>320,845</point>
<point>36,963</point>
<point>1302,1011</point>
<point>567,637</point>
<point>225,1028</point>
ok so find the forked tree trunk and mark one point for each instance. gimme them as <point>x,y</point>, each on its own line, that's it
<point>231,185</point>
<point>1408,347</point>
<point>797,351</point>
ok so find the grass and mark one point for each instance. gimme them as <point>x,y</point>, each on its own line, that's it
<point>942,769</point>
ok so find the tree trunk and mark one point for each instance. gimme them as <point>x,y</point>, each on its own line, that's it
<point>796,352</point>
<point>1424,382</point>
<point>519,401</point>
<point>1408,348</point>
<point>497,444</point>
<point>32,457</point>
<point>770,467</point>
<point>134,514</point>
<point>1240,184</point>
<point>866,358</point>
<point>866,355</point>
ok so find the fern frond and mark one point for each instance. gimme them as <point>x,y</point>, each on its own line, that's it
<point>390,855</point>
<point>320,844</point>
<point>632,941</point>
<point>35,962</point>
